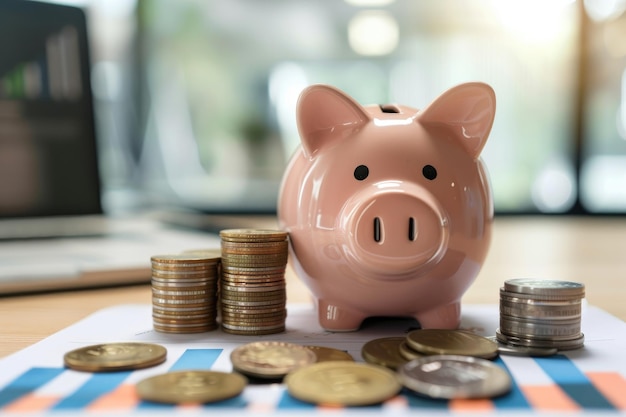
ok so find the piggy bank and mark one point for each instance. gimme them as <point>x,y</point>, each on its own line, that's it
<point>388,208</point>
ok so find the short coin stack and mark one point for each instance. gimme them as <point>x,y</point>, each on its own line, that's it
<point>184,292</point>
<point>541,313</point>
<point>253,293</point>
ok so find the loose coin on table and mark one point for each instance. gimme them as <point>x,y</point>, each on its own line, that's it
<point>342,383</point>
<point>407,353</point>
<point>452,376</point>
<point>512,350</point>
<point>451,342</point>
<point>191,387</point>
<point>384,351</point>
<point>270,359</point>
<point>327,354</point>
<point>115,357</point>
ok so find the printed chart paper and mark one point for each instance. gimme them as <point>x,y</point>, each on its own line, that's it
<point>590,380</point>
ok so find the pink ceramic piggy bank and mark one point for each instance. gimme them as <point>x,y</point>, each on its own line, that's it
<point>388,208</point>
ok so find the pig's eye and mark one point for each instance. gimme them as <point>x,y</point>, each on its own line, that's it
<point>429,172</point>
<point>361,172</point>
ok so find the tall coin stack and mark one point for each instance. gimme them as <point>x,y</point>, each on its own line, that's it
<point>541,313</point>
<point>184,292</point>
<point>253,292</point>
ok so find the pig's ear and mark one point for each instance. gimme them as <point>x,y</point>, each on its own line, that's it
<point>326,114</point>
<point>468,110</point>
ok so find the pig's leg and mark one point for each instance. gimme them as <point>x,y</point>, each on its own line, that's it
<point>442,317</point>
<point>338,319</point>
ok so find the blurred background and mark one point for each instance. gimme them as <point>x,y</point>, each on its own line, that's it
<point>195,99</point>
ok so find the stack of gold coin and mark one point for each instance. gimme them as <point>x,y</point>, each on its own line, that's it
<point>253,293</point>
<point>541,313</point>
<point>184,292</point>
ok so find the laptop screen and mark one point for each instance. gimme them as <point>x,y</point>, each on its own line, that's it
<point>48,161</point>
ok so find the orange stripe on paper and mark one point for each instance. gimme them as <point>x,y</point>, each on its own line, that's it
<point>31,403</point>
<point>123,397</point>
<point>612,385</point>
<point>478,404</point>
<point>548,397</point>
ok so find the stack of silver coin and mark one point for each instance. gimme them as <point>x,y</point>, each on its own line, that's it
<point>253,291</point>
<point>184,292</point>
<point>541,313</point>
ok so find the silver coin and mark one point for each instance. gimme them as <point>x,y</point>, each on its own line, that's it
<point>575,342</point>
<point>451,376</point>
<point>547,287</point>
<point>512,350</point>
<point>562,329</point>
<point>544,312</point>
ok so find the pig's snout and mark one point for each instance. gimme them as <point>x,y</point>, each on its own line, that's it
<point>394,229</point>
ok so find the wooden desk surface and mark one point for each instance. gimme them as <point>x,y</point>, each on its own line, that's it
<point>587,250</point>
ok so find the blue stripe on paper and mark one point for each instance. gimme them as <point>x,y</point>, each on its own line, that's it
<point>513,399</point>
<point>98,385</point>
<point>573,382</point>
<point>416,400</point>
<point>196,359</point>
<point>26,383</point>
<point>287,402</point>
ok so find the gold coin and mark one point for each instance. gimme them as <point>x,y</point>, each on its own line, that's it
<point>272,246</point>
<point>253,317</point>
<point>255,333</point>
<point>209,254</point>
<point>115,357</point>
<point>183,258</point>
<point>191,387</point>
<point>277,327</point>
<point>327,354</point>
<point>451,342</point>
<point>270,359</point>
<point>253,310</point>
<point>253,288</point>
<point>252,235</point>
<point>407,353</point>
<point>384,351</point>
<point>185,330</point>
<point>342,383</point>
<point>254,271</point>
<point>246,304</point>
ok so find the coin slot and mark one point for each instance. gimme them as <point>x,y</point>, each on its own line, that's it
<point>412,230</point>
<point>377,230</point>
<point>389,108</point>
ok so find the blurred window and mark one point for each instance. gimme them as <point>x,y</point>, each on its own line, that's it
<point>198,97</point>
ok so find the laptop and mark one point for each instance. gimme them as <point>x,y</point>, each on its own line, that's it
<point>54,233</point>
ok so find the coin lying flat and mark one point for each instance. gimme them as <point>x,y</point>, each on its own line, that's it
<point>452,376</point>
<point>451,342</point>
<point>191,387</point>
<point>327,354</point>
<point>342,383</point>
<point>407,353</point>
<point>115,357</point>
<point>544,287</point>
<point>270,359</point>
<point>512,350</point>
<point>384,351</point>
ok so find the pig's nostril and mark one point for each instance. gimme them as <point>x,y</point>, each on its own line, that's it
<point>377,233</point>
<point>412,231</point>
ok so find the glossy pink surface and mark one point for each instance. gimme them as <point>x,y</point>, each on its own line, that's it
<point>388,208</point>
